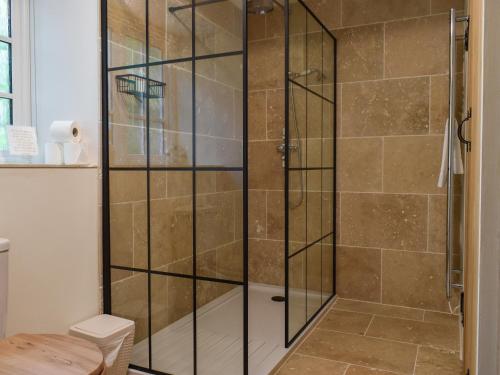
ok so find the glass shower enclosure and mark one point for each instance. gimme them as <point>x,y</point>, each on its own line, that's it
<point>175,178</point>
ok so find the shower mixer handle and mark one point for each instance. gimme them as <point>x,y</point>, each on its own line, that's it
<point>282,150</point>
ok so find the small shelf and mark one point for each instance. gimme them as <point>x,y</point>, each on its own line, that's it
<point>133,84</point>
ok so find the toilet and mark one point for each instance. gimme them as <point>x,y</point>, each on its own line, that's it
<point>4,277</point>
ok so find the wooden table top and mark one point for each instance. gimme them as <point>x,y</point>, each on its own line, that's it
<point>26,354</point>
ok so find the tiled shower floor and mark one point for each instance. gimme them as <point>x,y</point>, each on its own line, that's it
<point>359,338</point>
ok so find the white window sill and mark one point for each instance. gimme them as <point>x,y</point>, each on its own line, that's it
<point>48,166</point>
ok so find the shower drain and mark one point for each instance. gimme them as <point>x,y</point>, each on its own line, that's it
<point>278,299</point>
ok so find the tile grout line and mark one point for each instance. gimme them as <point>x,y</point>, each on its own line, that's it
<point>349,365</point>
<point>266,115</point>
<point>403,19</point>
<point>374,248</point>
<point>386,339</point>
<point>416,359</point>
<point>389,193</point>
<point>383,49</point>
<point>397,78</point>
<point>369,324</point>
<point>390,305</point>
<point>381,275</point>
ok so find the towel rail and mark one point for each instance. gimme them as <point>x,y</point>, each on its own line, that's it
<point>450,269</point>
<point>451,134</point>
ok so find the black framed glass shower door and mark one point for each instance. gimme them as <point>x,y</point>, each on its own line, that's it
<point>175,204</point>
<point>310,136</point>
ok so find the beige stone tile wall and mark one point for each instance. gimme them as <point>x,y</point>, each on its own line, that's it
<point>392,88</point>
<point>219,199</point>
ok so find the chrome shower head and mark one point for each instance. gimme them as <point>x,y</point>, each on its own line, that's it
<point>260,7</point>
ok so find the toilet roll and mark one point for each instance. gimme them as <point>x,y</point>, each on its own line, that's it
<point>65,132</point>
<point>74,153</point>
<point>53,153</point>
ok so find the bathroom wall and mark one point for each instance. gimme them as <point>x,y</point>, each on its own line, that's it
<point>392,107</point>
<point>219,199</point>
<point>51,214</point>
<point>66,69</point>
<point>52,220</point>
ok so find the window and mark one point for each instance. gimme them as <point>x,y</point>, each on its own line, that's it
<point>6,96</point>
<point>15,69</point>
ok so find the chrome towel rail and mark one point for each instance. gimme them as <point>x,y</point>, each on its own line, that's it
<point>450,284</point>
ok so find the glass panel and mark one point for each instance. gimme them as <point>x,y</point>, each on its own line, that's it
<point>5,68</point>
<point>172,324</point>
<point>297,293</point>
<point>130,301</point>
<point>327,196</point>
<point>219,27</point>
<point>170,33</point>
<point>328,147</point>
<point>5,111</point>
<point>328,66</point>
<point>126,32</point>
<point>172,221</point>
<point>219,330</point>
<point>314,55</point>
<point>297,210</point>
<point>127,118</point>
<point>297,42</point>
<point>314,279</point>
<point>128,225</point>
<point>219,228</point>
<point>5,120</point>
<point>313,206</point>
<point>171,116</point>
<point>219,107</point>
<point>297,128</point>
<point>327,275</point>
<point>314,130</point>
<point>5,25</point>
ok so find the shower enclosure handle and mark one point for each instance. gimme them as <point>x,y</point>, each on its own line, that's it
<point>451,134</point>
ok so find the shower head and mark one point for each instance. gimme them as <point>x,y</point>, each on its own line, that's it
<point>260,7</point>
<point>306,73</point>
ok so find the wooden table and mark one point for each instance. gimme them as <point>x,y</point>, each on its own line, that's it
<point>26,354</point>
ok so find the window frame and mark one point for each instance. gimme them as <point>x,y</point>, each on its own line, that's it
<point>20,48</point>
<point>21,62</point>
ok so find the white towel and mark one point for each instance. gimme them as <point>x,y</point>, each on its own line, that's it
<point>458,165</point>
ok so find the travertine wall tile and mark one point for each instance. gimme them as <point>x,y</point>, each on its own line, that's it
<point>266,262</point>
<point>388,107</point>
<point>262,74</point>
<point>328,11</point>
<point>414,279</point>
<point>417,47</point>
<point>265,168</point>
<point>360,53</point>
<point>257,220</point>
<point>358,273</point>
<point>388,221</point>
<point>444,6</point>
<point>412,164</point>
<point>360,164</point>
<point>437,223</point>
<point>358,12</point>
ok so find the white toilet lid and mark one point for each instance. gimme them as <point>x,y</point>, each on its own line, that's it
<point>4,245</point>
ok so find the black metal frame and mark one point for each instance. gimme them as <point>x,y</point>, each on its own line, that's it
<point>290,339</point>
<point>107,266</point>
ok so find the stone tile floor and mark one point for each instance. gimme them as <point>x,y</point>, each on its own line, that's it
<point>361,338</point>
